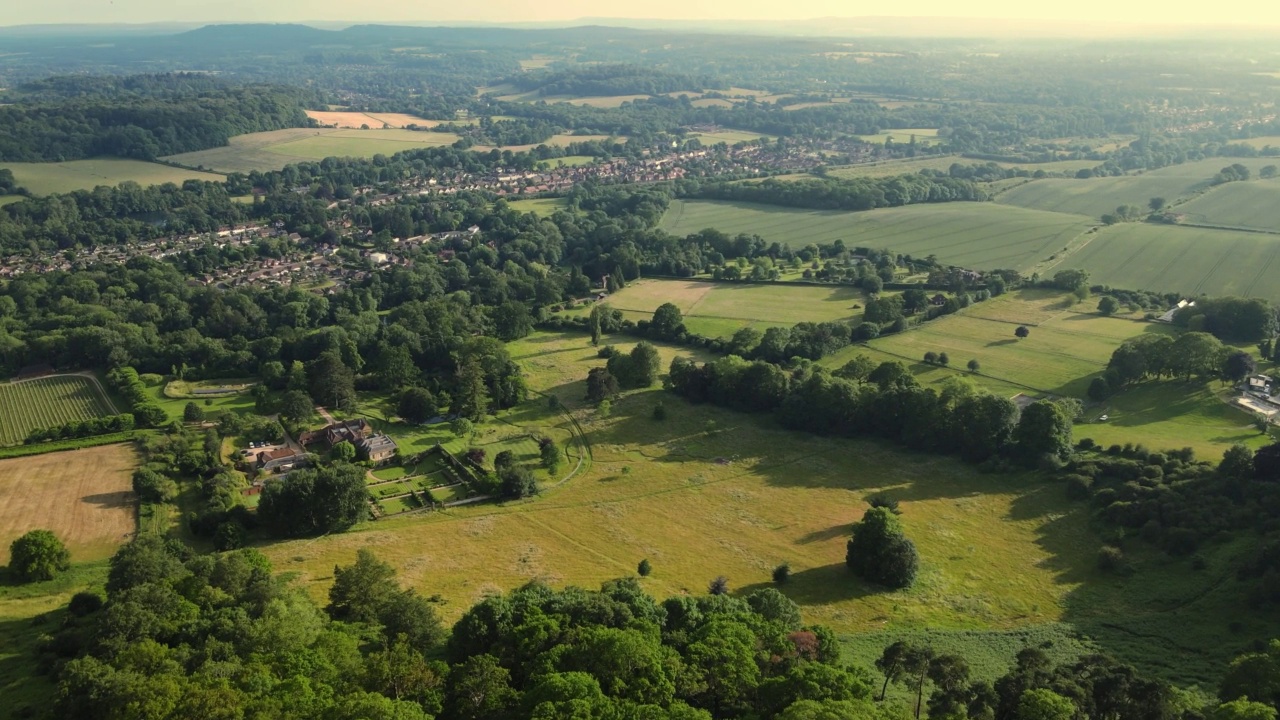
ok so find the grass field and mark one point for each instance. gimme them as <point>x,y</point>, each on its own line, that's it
<point>1254,205</point>
<point>84,496</point>
<point>1068,346</point>
<point>1188,260</point>
<point>65,177</point>
<point>544,207</point>
<point>923,136</point>
<point>571,161</point>
<point>1006,561</point>
<point>361,143</point>
<point>727,136</point>
<point>975,235</point>
<point>47,402</point>
<point>719,309</point>
<point>7,199</point>
<point>553,141</point>
<point>889,168</point>
<point>247,153</point>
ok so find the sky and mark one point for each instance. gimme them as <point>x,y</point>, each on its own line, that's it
<point>1252,12</point>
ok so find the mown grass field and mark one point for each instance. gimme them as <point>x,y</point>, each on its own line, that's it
<point>1187,260</point>
<point>1254,205</point>
<point>544,207</point>
<point>720,309</point>
<point>361,143</point>
<point>975,235</point>
<point>47,402</point>
<point>1068,346</point>
<point>84,496</point>
<point>65,177</point>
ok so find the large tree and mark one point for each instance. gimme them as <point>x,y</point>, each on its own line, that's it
<point>38,555</point>
<point>312,502</point>
<point>1044,429</point>
<point>880,552</point>
<point>331,381</point>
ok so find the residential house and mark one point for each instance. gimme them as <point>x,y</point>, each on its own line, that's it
<point>377,448</point>
<point>278,459</point>
<point>352,431</point>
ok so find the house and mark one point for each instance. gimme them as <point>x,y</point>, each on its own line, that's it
<point>352,431</point>
<point>377,448</point>
<point>277,459</point>
<point>938,300</point>
<point>1259,383</point>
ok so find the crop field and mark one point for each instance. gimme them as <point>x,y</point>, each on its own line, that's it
<point>720,309</point>
<point>46,402</point>
<point>1254,205</point>
<point>1006,560</point>
<point>348,119</point>
<point>1096,196</point>
<point>1189,260</point>
<point>65,177</point>
<point>975,235</point>
<point>85,496</point>
<point>554,141</point>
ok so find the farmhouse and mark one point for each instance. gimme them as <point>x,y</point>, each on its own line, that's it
<point>352,431</point>
<point>1168,316</point>
<point>377,448</point>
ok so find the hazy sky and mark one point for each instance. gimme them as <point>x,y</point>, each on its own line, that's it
<point>1253,12</point>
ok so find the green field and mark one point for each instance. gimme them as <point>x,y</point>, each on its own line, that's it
<point>246,153</point>
<point>361,143</point>
<point>1096,196</point>
<point>7,199</point>
<point>46,402</point>
<point>1068,346</point>
<point>720,309</point>
<point>65,177</point>
<point>726,136</point>
<point>923,136</point>
<point>1187,260</point>
<point>543,207</point>
<point>571,161</point>
<point>975,235</point>
<point>1253,205</point>
<point>1006,561</point>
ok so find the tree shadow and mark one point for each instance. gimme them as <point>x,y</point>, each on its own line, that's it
<point>121,499</point>
<point>819,586</point>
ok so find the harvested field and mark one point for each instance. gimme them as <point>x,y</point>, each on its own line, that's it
<point>84,496</point>
<point>352,119</point>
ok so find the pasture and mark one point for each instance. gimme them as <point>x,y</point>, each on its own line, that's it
<point>47,402</point>
<point>726,136</point>
<point>1189,260</point>
<point>543,207</point>
<point>1253,205</point>
<point>720,309</point>
<point>84,496</point>
<point>1096,196</point>
<point>1006,560</point>
<point>975,235</point>
<point>361,143</point>
<point>246,153</point>
<point>65,177</point>
<point>888,168</point>
<point>922,136</point>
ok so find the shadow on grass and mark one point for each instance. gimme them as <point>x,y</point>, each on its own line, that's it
<point>818,586</point>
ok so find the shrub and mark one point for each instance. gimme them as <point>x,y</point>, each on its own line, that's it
<point>782,573</point>
<point>719,586</point>
<point>85,603</point>
<point>660,411</point>
<point>1110,559</point>
<point>38,555</point>
<point>644,568</point>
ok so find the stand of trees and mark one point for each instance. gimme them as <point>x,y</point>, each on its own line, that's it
<point>851,194</point>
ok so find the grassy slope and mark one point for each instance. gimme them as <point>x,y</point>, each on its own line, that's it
<point>64,177</point>
<point>977,235</point>
<point>1239,204</point>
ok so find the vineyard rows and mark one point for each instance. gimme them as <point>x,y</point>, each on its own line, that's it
<point>47,402</point>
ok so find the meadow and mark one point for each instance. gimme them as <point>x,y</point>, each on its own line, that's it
<point>1187,260</point>
<point>65,177</point>
<point>1006,560</point>
<point>720,309</point>
<point>727,136</point>
<point>922,136</point>
<point>1253,205</point>
<point>543,206</point>
<point>361,143</point>
<point>48,402</point>
<point>975,235</point>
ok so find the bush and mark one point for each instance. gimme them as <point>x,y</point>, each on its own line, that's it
<point>85,603</point>
<point>719,586</point>
<point>660,411</point>
<point>644,568</point>
<point>1110,559</point>
<point>192,413</point>
<point>782,573</point>
<point>38,555</point>
<point>1079,487</point>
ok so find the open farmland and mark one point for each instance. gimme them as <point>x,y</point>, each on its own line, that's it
<point>726,136</point>
<point>362,143</point>
<point>1068,346</point>
<point>720,309</point>
<point>85,496</point>
<point>976,235</point>
<point>65,177</point>
<point>352,119</point>
<point>1253,205</point>
<point>553,141</point>
<point>943,163</point>
<point>47,402</point>
<point>1096,196</point>
<point>246,153</point>
<point>1189,260</point>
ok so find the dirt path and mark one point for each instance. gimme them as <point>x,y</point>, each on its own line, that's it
<point>324,413</point>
